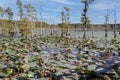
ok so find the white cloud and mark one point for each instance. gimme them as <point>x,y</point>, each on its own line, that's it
<point>102,6</point>
<point>1,4</point>
<point>52,10</point>
<point>64,2</point>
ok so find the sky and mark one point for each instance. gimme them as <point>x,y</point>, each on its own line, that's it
<point>51,10</point>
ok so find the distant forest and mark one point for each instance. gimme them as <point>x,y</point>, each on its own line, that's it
<point>37,23</point>
<point>4,23</point>
<point>93,26</point>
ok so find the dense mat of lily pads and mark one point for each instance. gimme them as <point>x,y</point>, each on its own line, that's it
<point>58,58</point>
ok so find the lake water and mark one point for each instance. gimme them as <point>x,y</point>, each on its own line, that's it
<point>75,34</point>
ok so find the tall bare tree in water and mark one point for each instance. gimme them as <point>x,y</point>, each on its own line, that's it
<point>31,16</point>
<point>65,17</point>
<point>1,15</point>
<point>1,11</point>
<point>20,6</point>
<point>20,11</point>
<point>106,24</point>
<point>85,19</point>
<point>30,11</point>
<point>41,17</point>
<point>9,14</point>
<point>63,22</point>
<point>106,27</point>
<point>115,35</point>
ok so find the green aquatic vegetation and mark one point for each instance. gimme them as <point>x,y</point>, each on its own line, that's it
<point>113,41</point>
<point>92,66</point>
<point>78,55</point>
<point>63,67</point>
<point>102,48</point>
<point>37,48</point>
<point>1,47</point>
<point>79,69</point>
<point>93,45</point>
<point>3,57</point>
<point>90,74</point>
<point>10,51</point>
<point>25,67</point>
<point>29,63</point>
<point>91,63</point>
<point>8,72</point>
<point>85,40</point>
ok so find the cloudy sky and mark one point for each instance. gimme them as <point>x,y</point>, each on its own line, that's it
<point>52,9</point>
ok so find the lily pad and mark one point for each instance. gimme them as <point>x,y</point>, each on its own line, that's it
<point>92,67</point>
<point>10,51</point>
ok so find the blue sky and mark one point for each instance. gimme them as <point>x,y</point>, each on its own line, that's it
<point>52,9</point>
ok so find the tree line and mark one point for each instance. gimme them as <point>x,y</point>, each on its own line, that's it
<point>86,22</point>
<point>27,23</point>
<point>28,20</point>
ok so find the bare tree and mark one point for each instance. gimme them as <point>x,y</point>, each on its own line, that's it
<point>63,22</point>
<point>9,14</point>
<point>65,17</point>
<point>106,24</point>
<point>106,27</point>
<point>41,17</point>
<point>115,35</point>
<point>85,19</point>
<point>20,6</point>
<point>1,11</point>
<point>31,15</point>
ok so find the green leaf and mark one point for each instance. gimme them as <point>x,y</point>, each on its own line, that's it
<point>10,52</point>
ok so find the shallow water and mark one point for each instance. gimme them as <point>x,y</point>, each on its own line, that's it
<point>73,33</point>
<point>99,34</point>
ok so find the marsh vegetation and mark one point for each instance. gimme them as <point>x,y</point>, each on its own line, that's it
<point>31,49</point>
